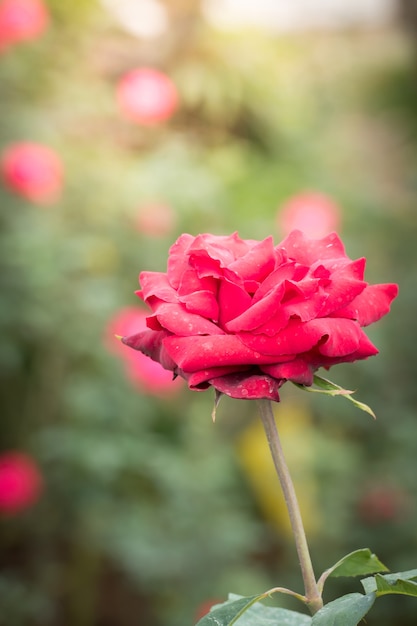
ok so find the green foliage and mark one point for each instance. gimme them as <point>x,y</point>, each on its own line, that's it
<point>328,388</point>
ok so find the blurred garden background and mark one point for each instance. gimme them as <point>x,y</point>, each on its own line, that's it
<point>121,503</point>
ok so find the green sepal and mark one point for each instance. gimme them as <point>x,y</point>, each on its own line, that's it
<point>345,611</point>
<point>331,389</point>
<point>250,612</point>
<point>358,563</point>
<point>399,583</point>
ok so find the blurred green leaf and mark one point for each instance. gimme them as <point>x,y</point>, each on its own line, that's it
<point>345,611</point>
<point>248,612</point>
<point>400,583</point>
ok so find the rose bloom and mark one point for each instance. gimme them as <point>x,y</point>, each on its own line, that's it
<point>21,20</point>
<point>245,316</point>
<point>314,213</point>
<point>149,376</point>
<point>21,482</point>
<point>147,96</point>
<point>33,171</point>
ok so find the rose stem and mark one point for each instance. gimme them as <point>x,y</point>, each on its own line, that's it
<point>313,598</point>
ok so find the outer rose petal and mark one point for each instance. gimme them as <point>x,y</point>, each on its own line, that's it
<point>192,354</point>
<point>179,321</point>
<point>150,342</point>
<point>372,304</point>
<point>298,371</point>
<point>156,285</point>
<point>200,380</point>
<point>308,251</point>
<point>248,387</point>
<point>178,259</point>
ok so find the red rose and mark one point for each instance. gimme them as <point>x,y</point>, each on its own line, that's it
<point>147,96</point>
<point>34,171</point>
<point>245,316</point>
<point>20,482</point>
<point>21,20</point>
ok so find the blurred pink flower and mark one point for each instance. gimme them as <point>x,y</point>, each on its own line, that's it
<point>150,376</point>
<point>147,96</point>
<point>21,20</point>
<point>311,212</point>
<point>155,219</point>
<point>33,171</point>
<point>21,482</point>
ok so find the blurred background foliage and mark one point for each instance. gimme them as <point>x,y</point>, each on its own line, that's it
<point>148,509</point>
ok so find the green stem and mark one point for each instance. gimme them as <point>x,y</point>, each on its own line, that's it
<point>313,597</point>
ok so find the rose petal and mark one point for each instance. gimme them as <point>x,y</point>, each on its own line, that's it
<point>287,271</point>
<point>298,371</point>
<point>307,251</point>
<point>344,286</point>
<point>150,342</point>
<point>199,380</point>
<point>259,312</point>
<point>156,285</point>
<point>246,387</point>
<point>373,303</point>
<point>257,263</point>
<point>296,338</point>
<point>176,319</point>
<point>202,352</point>
<point>178,260</point>
<point>202,303</point>
<point>233,301</point>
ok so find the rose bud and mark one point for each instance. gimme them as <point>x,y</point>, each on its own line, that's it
<point>245,316</point>
<point>149,376</point>
<point>33,171</point>
<point>147,96</point>
<point>313,213</point>
<point>21,482</point>
<point>21,20</point>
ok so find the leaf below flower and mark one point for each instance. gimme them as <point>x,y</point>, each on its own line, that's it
<point>331,389</point>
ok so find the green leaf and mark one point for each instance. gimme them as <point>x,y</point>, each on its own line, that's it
<point>331,389</point>
<point>401,583</point>
<point>358,563</point>
<point>345,611</point>
<point>229,612</point>
<point>249,612</point>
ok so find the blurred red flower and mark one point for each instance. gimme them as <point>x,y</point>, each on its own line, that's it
<point>141,370</point>
<point>315,214</point>
<point>383,503</point>
<point>33,171</point>
<point>21,482</point>
<point>205,607</point>
<point>147,96</point>
<point>21,20</point>
<point>155,219</point>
